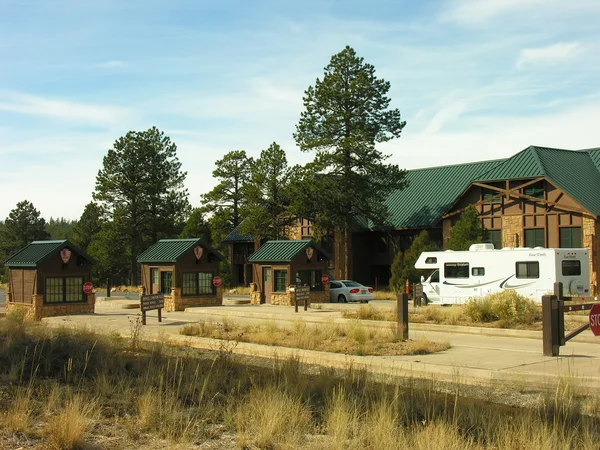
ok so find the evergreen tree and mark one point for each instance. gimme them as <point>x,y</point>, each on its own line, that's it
<point>88,225</point>
<point>466,231</point>
<point>403,267</point>
<point>22,226</point>
<point>196,227</point>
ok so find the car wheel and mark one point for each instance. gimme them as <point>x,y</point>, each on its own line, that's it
<point>341,299</point>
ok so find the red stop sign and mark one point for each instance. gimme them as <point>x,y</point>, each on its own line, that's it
<point>217,281</point>
<point>595,320</point>
<point>87,287</point>
<point>325,279</point>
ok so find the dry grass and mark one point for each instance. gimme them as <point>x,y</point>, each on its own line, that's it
<point>353,338</point>
<point>384,295</point>
<point>16,419</point>
<point>240,290</point>
<point>67,428</point>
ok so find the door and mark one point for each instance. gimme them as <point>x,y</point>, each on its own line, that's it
<point>166,282</point>
<point>154,282</point>
<point>267,284</point>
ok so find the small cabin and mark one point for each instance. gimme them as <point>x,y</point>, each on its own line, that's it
<point>185,270</point>
<point>279,265</point>
<point>48,277</point>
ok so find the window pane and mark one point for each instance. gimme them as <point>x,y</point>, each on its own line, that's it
<point>535,191</point>
<point>528,269</point>
<point>54,290</point>
<point>154,276</point>
<point>166,282</point>
<point>478,271</point>
<point>74,289</point>
<point>570,237</point>
<point>571,268</point>
<point>431,260</point>
<point>456,270</point>
<point>488,193</point>
<point>303,277</point>
<point>189,284</point>
<point>205,286</point>
<point>534,237</point>
<point>316,282</point>
<point>494,237</point>
<point>280,280</point>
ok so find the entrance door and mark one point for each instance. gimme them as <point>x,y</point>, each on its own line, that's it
<point>154,281</point>
<point>267,284</point>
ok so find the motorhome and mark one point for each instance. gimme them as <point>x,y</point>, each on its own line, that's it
<point>459,275</point>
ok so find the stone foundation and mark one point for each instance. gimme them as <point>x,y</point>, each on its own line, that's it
<point>177,302</point>
<point>590,242</point>
<point>254,294</point>
<point>37,310</point>
<point>287,298</point>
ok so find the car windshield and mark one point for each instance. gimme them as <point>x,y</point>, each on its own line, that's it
<point>352,284</point>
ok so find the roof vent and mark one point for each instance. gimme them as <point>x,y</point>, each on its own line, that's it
<point>481,247</point>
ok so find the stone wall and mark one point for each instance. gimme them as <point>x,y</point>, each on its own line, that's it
<point>287,298</point>
<point>37,310</point>
<point>512,231</point>
<point>254,294</point>
<point>177,302</point>
<point>589,230</point>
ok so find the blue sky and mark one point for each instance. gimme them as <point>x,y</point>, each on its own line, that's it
<point>473,79</point>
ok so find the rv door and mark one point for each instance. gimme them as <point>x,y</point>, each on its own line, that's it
<point>431,287</point>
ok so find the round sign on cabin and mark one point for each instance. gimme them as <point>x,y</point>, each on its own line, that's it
<point>198,252</point>
<point>309,252</point>
<point>325,279</point>
<point>217,281</point>
<point>87,287</point>
<point>65,255</point>
<point>595,320</point>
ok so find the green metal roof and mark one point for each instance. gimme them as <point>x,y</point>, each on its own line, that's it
<point>283,251</point>
<point>237,236</point>
<point>430,191</point>
<point>171,250</point>
<point>37,252</point>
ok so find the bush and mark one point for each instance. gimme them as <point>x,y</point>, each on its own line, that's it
<point>507,306</point>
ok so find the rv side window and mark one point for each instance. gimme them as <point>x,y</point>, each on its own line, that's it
<point>456,270</point>
<point>478,271</point>
<point>431,260</point>
<point>571,268</point>
<point>528,269</point>
<point>435,277</point>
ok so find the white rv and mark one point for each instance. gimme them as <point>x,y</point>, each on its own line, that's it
<point>459,275</point>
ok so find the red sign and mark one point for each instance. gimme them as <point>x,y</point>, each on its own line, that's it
<point>595,320</point>
<point>217,281</point>
<point>324,279</point>
<point>87,287</point>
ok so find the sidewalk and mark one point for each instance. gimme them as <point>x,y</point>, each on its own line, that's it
<point>476,356</point>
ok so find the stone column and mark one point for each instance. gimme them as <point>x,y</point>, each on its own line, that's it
<point>176,298</point>
<point>512,231</point>
<point>589,242</point>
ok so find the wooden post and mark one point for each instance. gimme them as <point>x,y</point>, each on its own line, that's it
<point>402,319</point>
<point>108,287</point>
<point>295,300</point>
<point>306,303</point>
<point>550,323</point>
<point>159,315</point>
<point>143,317</point>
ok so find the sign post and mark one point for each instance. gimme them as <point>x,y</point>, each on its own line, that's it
<point>150,302</point>
<point>301,293</point>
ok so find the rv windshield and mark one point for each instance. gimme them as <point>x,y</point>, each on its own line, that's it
<point>435,277</point>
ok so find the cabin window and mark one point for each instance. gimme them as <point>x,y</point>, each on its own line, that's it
<point>431,260</point>
<point>489,193</point>
<point>534,237</point>
<point>197,283</point>
<point>166,282</point>
<point>529,269</point>
<point>310,278</point>
<point>494,237</point>
<point>571,268</point>
<point>456,270</point>
<point>64,290</point>
<point>570,237</point>
<point>537,191</point>
<point>478,271</point>
<point>280,280</point>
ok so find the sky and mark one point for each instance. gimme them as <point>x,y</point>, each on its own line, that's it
<point>473,79</point>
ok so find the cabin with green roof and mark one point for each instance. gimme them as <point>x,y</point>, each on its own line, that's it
<point>279,265</point>
<point>185,270</point>
<point>47,278</point>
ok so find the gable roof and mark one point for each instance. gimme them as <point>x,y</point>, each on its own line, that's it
<point>237,236</point>
<point>171,250</point>
<point>35,253</point>
<point>430,191</point>
<point>283,251</point>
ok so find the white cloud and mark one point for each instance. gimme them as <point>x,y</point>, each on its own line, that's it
<point>22,103</point>
<point>554,53</point>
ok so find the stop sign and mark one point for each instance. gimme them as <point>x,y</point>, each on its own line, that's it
<point>595,320</point>
<point>217,281</point>
<point>325,279</point>
<point>87,287</point>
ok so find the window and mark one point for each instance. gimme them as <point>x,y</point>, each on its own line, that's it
<point>334,285</point>
<point>570,237</point>
<point>456,270</point>
<point>166,282</point>
<point>494,237</point>
<point>197,283</point>
<point>280,280</point>
<point>154,276</point>
<point>435,277</point>
<point>528,269</point>
<point>431,260</point>
<point>478,271</point>
<point>571,268</point>
<point>534,237</point>
<point>489,193</point>
<point>64,290</point>
<point>536,191</point>
<point>310,278</point>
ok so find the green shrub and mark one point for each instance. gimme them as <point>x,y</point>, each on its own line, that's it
<point>507,306</point>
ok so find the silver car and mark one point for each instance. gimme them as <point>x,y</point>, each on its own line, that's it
<point>344,291</point>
